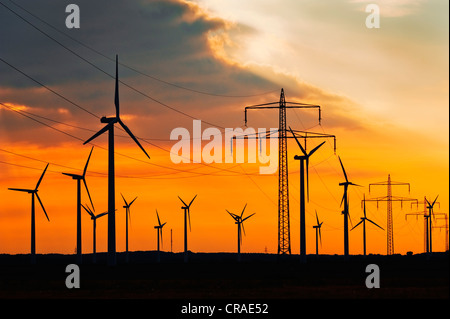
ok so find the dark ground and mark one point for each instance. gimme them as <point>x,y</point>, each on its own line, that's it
<point>219,277</point>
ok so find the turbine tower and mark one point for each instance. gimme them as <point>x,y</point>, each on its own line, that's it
<point>94,219</point>
<point>109,127</point>
<point>240,227</point>
<point>34,193</point>
<point>187,216</point>
<point>127,217</point>
<point>317,227</point>
<point>284,234</point>
<point>159,235</point>
<point>363,221</point>
<point>304,159</point>
<point>345,212</point>
<point>80,178</point>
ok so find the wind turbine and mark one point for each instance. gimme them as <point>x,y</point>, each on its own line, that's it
<point>239,222</point>
<point>430,212</point>
<point>317,227</point>
<point>345,212</point>
<point>363,221</point>
<point>187,216</point>
<point>34,193</point>
<point>94,219</point>
<point>111,177</point>
<point>304,159</point>
<point>159,235</point>
<point>80,178</point>
<point>127,217</point>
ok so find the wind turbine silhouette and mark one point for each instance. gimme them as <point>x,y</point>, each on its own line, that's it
<point>159,235</point>
<point>345,212</point>
<point>317,227</point>
<point>111,177</point>
<point>34,193</point>
<point>304,159</point>
<point>430,213</point>
<point>94,219</point>
<point>127,217</point>
<point>239,222</point>
<point>187,216</point>
<point>80,178</point>
<point>363,221</point>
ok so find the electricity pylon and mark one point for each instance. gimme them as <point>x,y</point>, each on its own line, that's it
<point>446,229</point>
<point>389,199</point>
<point>284,242</point>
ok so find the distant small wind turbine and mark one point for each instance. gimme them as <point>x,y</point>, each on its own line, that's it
<point>430,213</point>
<point>239,222</point>
<point>109,127</point>
<point>159,235</point>
<point>363,221</point>
<point>80,178</point>
<point>345,212</point>
<point>34,193</point>
<point>127,217</point>
<point>187,216</point>
<point>317,227</point>
<point>94,219</point>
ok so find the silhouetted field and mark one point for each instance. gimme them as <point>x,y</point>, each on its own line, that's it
<point>219,276</point>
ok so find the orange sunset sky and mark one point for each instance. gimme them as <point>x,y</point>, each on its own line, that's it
<point>383,94</point>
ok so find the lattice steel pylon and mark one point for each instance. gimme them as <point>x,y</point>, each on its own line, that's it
<point>284,241</point>
<point>389,199</point>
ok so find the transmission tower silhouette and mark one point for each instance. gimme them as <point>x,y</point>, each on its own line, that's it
<point>389,199</point>
<point>284,241</point>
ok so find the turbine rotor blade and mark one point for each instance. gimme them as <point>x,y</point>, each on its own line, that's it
<point>320,238</point>
<point>21,190</point>
<point>434,201</point>
<point>374,223</point>
<point>243,210</point>
<point>356,225</point>
<point>343,169</point>
<point>102,214</point>
<point>315,149</point>
<point>89,195</point>
<point>40,179</point>
<point>248,217</point>
<point>159,222</point>
<point>189,217</point>
<point>132,136</point>
<point>103,130</point>
<point>116,92</point>
<point>88,211</point>
<point>42,205</point>
<point>87,163</point>
<point>132,201</point>
<point>298,143</point>
<point>192,201</point>
<point>126,204</point>
<point>183,201</point>
<point>243,229</point>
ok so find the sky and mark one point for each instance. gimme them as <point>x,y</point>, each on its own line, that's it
<point>383,93</point>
